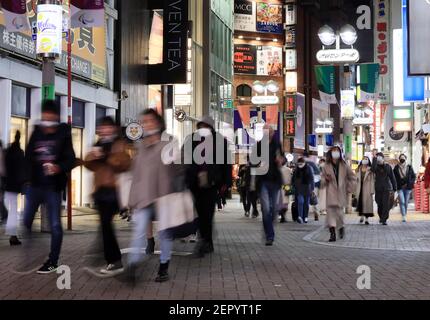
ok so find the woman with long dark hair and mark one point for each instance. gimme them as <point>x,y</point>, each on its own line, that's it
<point>365,190</point>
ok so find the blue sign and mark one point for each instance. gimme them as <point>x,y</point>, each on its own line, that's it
<point>413,87</point>
<point>312,139</point>
<point>329,140</point>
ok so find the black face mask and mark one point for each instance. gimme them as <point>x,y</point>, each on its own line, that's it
<point>402,161</point>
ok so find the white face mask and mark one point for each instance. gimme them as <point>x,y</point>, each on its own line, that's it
<point>380,160</point>
<point>301,165</point>
<point>335,155</point>
<point>48,124</point>
<point>150,133</point>
<point>204,132</point>
<point>365,162</point>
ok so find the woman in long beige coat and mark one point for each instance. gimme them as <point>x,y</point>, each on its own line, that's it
<point>365,190</point>
<point>338,180</point>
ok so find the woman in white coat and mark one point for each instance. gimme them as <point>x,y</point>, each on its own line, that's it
<point>338,180</point>
<point>365,190</point>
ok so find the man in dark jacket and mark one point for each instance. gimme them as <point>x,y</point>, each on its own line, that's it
<point>249,196</point>
<point>303,182</point>
<point>385,186</point>
<point>270,183</point>
<point>405,178</point>
<point>49,159</point>
<point>208,172</point>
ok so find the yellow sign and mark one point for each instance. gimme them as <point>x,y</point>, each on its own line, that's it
<point>88,47</point>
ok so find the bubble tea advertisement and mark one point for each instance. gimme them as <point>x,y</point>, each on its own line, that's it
<point>49,30</point>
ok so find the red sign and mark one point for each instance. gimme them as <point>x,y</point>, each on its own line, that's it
<point>290,128</point>
<point>291,105</point>
<point>245,59</point>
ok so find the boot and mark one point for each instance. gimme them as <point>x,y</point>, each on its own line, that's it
<point>342,233</point>
<point>332,235</point>
<point>282,214</point>
<point>163,276</point>
<point>316,216</point>
<point>150,247</point>
<point>14,241</point>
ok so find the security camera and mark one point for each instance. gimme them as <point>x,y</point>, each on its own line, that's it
<point>124,96</point>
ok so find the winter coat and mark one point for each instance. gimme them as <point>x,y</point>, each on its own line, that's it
<point>384,177</point>
<point>107,169</point>
<point>367,191</point>
<point>407,182</point>
<point>337,192</point>
<point>14,164</point>
<point>303,181</point>
<point>152,178</point>
<point>55,148</point>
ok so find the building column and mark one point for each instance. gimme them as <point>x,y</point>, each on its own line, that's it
<point>88,142</point>
<point>6,110</point>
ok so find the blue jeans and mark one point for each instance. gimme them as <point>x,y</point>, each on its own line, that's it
<point>303,206</point>
<point>404,196</point>
<point>34,197</point>
<point>269,197</point>
<point>142,218</point>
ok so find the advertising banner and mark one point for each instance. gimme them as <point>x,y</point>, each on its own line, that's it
<point>290,37</point>
<point>299,141</point>
<point>347,98</point>
<point>87,13</point>
<point>269,61</point>
<point>15,14</point>
<point>320,111</point>
<point>269,18</point>
<point>88,48</point>
<point>369,75</point>
<point>245,59</point>
<point>49,29</point>
<point>290,59</point>
<point>245,15</point>
<point>325,76</point>
<point>383,49</point>
<point>419,37</point>
<point>290,14</point>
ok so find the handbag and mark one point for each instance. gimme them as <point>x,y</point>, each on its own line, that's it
<point>314,199</point>
<point>176,214</point>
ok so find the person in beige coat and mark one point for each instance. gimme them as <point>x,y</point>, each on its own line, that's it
<point>365,190</point>
<point>338,180</point>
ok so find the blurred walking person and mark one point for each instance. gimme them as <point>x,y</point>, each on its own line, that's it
<point>107,160</point>
<point>385,187</point>
<point>49,160</point>
<point>206,176</point>
<point>316,173</point>
<point>338,180</point>
<point>365,190</point>
<point>304,185</point>
<point>321,207</point>
<point>3,210</point>
<point>13,185</point>
<point>405,180</point>
<point>152,179</point>
<point>270,184</point>
<point>287,178</point>
<point>249,197</point>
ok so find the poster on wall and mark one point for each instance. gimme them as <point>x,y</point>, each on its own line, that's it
<point>269,61</point>
<point>299,140</point>
<point>291,14</point>
<point>419,37</point>
<point>320,111</point>
<point>269,18</point>
<point>290,59</point>
<point>290,37</point>
<point>245,60</point>
<point>383,49</point>
<point>245,15</point>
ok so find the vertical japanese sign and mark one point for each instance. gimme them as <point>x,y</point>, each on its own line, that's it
<point>299,141</point>
<point>382,48</point>
<point>269,61</point>
<point>369,75</point>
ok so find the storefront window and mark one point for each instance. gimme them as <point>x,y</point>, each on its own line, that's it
<point>100,114</point>
<point>20,101</point>
<point>78,118</point>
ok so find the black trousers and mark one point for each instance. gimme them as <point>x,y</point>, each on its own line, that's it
<point>383,201</point>
<point>249,198</point>
<point>221,199</point>
<point>205,201</point>
<point>107,203</point>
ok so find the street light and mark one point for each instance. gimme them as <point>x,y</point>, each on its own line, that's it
<point>259,87</point>
<point>327,35</point>
<point>272,86</point>
<point>348,34</point>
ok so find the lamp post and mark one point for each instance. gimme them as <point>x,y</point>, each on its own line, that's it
<point>263,98</point>
<point>348,35</point>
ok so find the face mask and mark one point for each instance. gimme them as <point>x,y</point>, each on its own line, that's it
<point>335,155</point>
<point>365,162</point>
<point>402,161</point>
<point>48,124</point>
<point>150,133</point>
<point>380,160</point>
<point>301,165</point>
<point>204,132</point>
<point>322,165</point>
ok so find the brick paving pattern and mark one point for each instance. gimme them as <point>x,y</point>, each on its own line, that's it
<point>299,266</point>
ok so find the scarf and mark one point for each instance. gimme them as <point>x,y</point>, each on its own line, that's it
<point>403,170</point>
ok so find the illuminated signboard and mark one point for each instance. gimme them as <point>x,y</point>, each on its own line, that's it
<point>291,106</point>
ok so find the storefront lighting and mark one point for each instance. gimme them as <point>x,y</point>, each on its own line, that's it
<point>327,35</point>
<point>240,37</point>
<point>258,39</point>
<point>275,40</point>
<point>348,34</point>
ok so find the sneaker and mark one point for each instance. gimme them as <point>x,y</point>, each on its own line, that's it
<point>48,268</point>
<point>269,243</point>
<point>247,214</point>
<point>193,238</point>
<point>367,223</point>
<point>404,220</point>
<point>299,220</point>
<point>306,220</point>
<point>361,220</point>
<point>113,269</point>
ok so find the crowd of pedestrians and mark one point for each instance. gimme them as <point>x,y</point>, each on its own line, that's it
<point>180,188</point>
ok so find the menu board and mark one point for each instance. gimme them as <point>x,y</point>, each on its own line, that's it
<point>269,18</point>
<point>245,61</point>
<point>258,60</point>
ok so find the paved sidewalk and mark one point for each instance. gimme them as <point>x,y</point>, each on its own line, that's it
<point>241,268</point>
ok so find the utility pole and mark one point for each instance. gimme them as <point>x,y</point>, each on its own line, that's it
<point>48,93</point>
